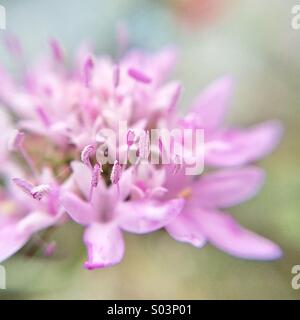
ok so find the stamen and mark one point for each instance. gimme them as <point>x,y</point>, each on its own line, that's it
<point>116,175</point>
<point>16,144</point>
<point>43,116</point>
<point>56,49</point>
<point>97,170</point>
<point>144,145</point>
<point>87,71</point>
<point>37,192</point>
<point>16,141</point>
<point>130,138</point>
<point>160,146</point>
<point>116,172</point>
<point>96,173</point>
<point>177,164</point>
<point>40,191</point>
<point>139,76</point>
<point>86,153</point>
<point>28,161</point>
<point>23,185</point>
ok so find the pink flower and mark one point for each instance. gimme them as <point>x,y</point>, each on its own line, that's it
<point>56,115</point>
<point>59,105</point>
<point>201,220</point>
<point>108,213</point>
<point>24,212</point>
<point>229,146</point>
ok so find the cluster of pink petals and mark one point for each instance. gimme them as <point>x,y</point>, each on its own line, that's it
<point>49,129</point>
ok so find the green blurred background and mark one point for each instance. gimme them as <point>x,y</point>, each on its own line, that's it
<point>250,39</point>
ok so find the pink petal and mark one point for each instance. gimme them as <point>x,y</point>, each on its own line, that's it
<point>139,76</point>
<point>226,234</point>
<point>239,147</point>
<point>228,187</point>
<point>105,245</point>
<point>147,216</point>
<point>184,229</point>
<point>167,97</point>
<point>36,221</point>
<point>116,172</point>
<point>86,153</point>
<point>32,126</point>
<point>15,232</point>
<point>163,63</point>
<point>211,106</point>
<point>157,66</point>
<point>11,240</point>
<point>175,183</point>
<point>83,178</point>
<point>79,210</point>
<point>125,183</point>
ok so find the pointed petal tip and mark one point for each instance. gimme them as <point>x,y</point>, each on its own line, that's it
<point>226,80</point>
<point>276,254</point>
<point>226,234</point>
<point>257,174</point>
<point>273,252</point>
<point>184,229</point>
<point>105,246</point>
<point>191,239</point>
<point>223,84</point>
<point>270,134</point>
<point>78,210</point>
<point>194,241</point>
<point>246,145</point>
<point>276,129</point>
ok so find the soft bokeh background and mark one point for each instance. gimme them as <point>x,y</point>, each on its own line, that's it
<point>250,39</point>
